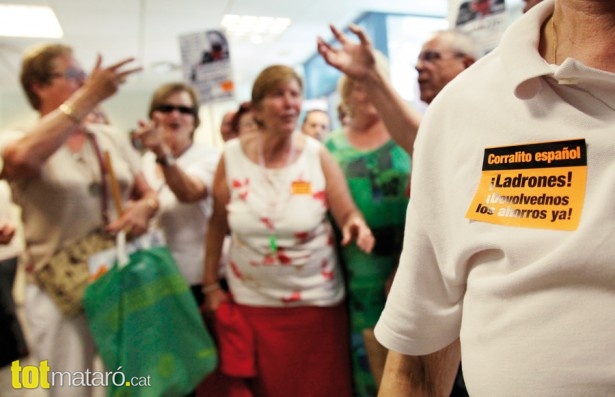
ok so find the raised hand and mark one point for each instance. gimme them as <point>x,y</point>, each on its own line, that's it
<point>149,133</point>
<point>103,82</point>
<point>354,59</point>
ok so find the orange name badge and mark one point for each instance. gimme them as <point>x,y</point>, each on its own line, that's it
<point>301,187</point>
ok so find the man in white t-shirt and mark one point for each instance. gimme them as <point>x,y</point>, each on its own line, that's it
<point>502,257</point>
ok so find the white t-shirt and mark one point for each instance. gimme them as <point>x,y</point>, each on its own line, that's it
<point>533,306</point>
<point>185,224</point>
<point>281,251</point>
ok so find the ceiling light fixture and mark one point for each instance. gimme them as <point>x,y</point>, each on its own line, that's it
<point>251,26</point>
<point>28,21</point>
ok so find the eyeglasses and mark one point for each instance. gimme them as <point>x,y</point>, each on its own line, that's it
<point>171,108</point>
<point>434,56</point>
<point>70,74</point>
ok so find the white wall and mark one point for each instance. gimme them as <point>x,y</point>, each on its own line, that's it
<point>15,111</point>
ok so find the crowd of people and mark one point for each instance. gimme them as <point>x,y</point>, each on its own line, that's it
<point>309,266</point>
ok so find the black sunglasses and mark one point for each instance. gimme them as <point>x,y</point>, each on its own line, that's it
<point>171,108</point>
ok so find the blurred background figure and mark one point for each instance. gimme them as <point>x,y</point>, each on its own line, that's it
<point>226,129</point>
<point>181,171</point>
<point>243,122</point>
<point>274,190</point>
<point>377,171</point>
<point>13,346</point>
<point>316,124</point>
<point>342,115</point>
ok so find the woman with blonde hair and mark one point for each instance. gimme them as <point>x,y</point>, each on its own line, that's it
<point>274,189</point>
<point>377,171</point>
<point>182,172</point>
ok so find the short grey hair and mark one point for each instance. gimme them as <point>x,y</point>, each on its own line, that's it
<point>461,42</point>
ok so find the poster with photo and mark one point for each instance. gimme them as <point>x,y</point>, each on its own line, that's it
<point>484,20</point>
<point>206,64</point>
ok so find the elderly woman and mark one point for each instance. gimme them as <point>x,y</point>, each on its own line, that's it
<point>377,171</point>
<point>181,171</point>
<point>58,177</point>
<point>274,190</point>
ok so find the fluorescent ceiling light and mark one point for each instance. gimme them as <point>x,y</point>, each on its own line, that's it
<point>251,26</point>
<point>28,21</point>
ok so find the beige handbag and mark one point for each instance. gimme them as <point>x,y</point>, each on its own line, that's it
<point>66,275</point>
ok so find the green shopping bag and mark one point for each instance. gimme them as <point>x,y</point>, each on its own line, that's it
<point>148,328</point>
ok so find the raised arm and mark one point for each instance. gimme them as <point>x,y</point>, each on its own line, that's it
<point>357,60</point>
<point>25,157</point>
<point>187,188</point>
<point>431,375</point>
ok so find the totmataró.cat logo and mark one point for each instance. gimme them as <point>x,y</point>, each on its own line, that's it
<point>33,377</point>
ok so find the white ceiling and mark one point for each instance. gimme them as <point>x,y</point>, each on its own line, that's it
<point>149,30</point>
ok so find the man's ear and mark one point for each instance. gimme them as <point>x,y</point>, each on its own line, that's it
<point>468,61</point>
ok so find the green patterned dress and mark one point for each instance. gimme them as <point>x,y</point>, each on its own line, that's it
<point>378,181</point>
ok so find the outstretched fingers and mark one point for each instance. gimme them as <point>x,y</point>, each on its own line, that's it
<point>326,50</point>
<point>122,74</point>
<point>360,33</point>
<point>98,63</point>
<point>338,34</point>
<point>121,63</point>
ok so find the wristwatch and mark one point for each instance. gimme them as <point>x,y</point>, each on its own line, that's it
<point>167,160</point>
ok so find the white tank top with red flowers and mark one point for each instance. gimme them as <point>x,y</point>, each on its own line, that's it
<point>282,250</point>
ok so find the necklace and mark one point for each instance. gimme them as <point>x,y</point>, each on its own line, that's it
<point>82,154</point>
<point>278,185</point>
<point>97,185</point>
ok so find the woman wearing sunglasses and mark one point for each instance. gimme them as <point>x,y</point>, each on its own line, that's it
<point>181,172</point>
<point>59,179</point>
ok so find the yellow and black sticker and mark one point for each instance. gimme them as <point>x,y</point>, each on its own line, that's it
<point>539,185</point>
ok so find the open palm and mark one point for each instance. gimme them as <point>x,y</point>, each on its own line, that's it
<point>353,59</point>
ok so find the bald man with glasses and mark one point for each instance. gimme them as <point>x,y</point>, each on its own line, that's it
<point>446,54</point>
